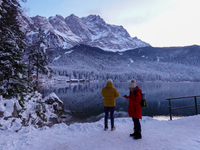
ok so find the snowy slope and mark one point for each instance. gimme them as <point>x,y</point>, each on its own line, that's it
<point>181,134</point>
<point>143,64</point>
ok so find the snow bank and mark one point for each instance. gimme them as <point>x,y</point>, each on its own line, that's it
<point>34,110</point>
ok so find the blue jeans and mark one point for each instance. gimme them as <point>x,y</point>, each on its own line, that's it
<point>137,124</point>
<point>108,110</point>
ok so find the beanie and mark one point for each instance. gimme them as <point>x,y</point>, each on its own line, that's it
<point>132,84</point>
<point>109,80</point>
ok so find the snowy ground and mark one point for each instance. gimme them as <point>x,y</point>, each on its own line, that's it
<point>180,134</point>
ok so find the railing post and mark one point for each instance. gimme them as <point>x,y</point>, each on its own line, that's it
<point>195,99</point>
<point>170,109</point>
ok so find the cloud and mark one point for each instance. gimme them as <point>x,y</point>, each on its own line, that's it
<point>177,26</point>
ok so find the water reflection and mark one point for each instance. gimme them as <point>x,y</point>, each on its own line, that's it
<point>84,100</point>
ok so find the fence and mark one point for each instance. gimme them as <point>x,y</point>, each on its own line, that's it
<point>195,100</point>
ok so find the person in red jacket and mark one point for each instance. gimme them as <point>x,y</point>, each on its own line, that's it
<point>134,108</point>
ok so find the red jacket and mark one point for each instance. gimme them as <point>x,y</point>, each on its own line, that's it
<point>134,107</point>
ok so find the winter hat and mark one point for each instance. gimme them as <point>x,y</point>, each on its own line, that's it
<point>110,80</point>
<point>132,84</point>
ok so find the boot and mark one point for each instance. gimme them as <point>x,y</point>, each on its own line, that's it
<point>137,135</point>
<point>113,128</point>
<point>134,133</point>
<point>106,127</point>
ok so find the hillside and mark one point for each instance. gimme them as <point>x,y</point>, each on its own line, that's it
<point>143,64</point>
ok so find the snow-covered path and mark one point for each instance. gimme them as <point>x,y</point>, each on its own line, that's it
<point>181,134</point>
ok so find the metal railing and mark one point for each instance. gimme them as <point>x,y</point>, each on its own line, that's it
<point>195,100</point>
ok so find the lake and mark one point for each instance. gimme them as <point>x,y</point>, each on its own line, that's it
<point>83,101</point>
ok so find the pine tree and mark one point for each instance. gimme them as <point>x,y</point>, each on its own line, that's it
<point>37,56</point>
<point>12,72</point>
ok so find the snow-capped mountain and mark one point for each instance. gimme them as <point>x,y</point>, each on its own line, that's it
<point>89,48</point>
<point>91,30</point>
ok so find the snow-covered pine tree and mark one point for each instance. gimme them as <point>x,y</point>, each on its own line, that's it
<point>13,77</point>
<point>37,56</point>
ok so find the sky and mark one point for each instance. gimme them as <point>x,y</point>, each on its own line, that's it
<point>161,23</point>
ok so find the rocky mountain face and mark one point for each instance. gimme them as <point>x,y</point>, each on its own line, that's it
<point>91,30</point>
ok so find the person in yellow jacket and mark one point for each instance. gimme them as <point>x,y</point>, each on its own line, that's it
<point>109,93</point>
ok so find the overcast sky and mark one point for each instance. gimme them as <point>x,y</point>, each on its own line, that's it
<point>160,23</point>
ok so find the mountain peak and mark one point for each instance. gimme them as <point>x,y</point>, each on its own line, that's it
<point>72,16</point>
<point>94,18</point>
<point>55,17</point>
<point>91,30</point>
<point>41,22</point>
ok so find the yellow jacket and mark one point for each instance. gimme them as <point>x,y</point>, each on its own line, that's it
<point>109,93</point>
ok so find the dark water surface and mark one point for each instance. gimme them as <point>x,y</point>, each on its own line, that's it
<point>84,103</point>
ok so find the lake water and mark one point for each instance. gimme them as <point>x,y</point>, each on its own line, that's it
<point>83,101</point>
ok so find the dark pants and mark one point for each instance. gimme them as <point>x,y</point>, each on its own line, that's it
<point>137,125</point>
<point>108,110</point>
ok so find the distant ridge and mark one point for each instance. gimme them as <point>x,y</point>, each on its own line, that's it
<point>171,64</point>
